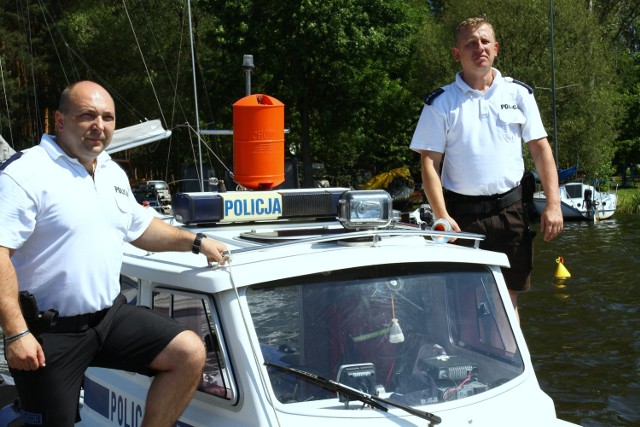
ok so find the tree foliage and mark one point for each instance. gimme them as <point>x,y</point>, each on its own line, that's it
<point>351,73</point>
<point>339,67</point>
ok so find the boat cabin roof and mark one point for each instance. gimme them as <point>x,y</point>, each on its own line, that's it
<point>273,249</point>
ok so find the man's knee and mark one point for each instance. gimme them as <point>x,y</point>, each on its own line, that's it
<point>186,350</point>
<point>194,346</point>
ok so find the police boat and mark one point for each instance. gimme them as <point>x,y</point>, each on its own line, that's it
<point>330,312</point>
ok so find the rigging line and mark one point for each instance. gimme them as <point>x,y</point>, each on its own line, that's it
<point>152,149</point>
<point>155,94</point>
<point>38,121</point>
<point>176,104</point>
<point>204,85</point>
<point>21,66</point>
<point>209,148</point>
<point>71,53</point>
<point>166,163</point>
<point>6,101</point>
<point>195,160</point>
<point>176,100</point>
<point>166,68</point>
<point>172,83</point>
<point>106,84</point>
<point>55,46</point>
<point>74,69</point>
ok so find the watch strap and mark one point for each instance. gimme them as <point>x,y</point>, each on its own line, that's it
<point>196,243</point>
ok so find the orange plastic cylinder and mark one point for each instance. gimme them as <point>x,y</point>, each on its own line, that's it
<point>258,142</point>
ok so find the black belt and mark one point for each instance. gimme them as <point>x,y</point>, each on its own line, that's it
<point>79,323</point>
<point>481,205</point>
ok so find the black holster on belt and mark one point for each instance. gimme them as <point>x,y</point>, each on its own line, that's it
<point>37,321</point>
<point>528,184</point>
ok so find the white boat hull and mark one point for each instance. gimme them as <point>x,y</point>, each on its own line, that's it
<point>581,201</point>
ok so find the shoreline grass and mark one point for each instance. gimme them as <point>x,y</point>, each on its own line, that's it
<point>628,200</point>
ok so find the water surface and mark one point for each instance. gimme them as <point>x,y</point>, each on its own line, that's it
<point>584,332</point>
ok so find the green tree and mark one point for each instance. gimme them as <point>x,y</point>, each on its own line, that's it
<point>620,20</point>
<point>23,115</point>
<point>628,144</point>
<point>138,50</point>
<point>352,73</point>
<point>340,67</point>
<point>140,53</point>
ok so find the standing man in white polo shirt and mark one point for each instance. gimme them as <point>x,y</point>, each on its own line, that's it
<point>66,208</point>
<point>469,137</point>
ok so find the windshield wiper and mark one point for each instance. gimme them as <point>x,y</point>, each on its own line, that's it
<point>369,399</point>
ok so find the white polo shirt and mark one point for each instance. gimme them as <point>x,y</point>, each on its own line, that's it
<point>67,229</point>
<point>480,134</point>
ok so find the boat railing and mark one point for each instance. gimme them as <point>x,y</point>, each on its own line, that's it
<point>369,237</point>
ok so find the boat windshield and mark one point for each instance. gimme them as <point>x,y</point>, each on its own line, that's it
<point>413,333</point>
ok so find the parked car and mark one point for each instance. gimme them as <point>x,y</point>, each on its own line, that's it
<point>161,188</point>
<point>161,191</point>
<point>148,198</point>
<point>148,191</point>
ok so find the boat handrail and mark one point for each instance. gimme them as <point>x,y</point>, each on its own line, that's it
<point>361,237</point>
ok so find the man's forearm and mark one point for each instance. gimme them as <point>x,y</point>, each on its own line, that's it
<point>11,319</point>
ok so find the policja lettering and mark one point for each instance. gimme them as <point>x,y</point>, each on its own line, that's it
<point>121,190</point>
<point>126,413</point>
<point>251,207</point>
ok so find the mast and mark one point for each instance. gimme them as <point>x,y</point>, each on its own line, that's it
<point>195,99</point>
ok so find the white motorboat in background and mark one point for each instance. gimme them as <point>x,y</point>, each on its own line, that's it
<point>581,201</point>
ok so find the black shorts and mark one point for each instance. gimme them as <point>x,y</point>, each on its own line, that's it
<point>127,338</point>
<point>506,231</point>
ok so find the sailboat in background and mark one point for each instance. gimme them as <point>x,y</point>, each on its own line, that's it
<point>123,139</point>
<point>5,149</point>
<point>579,200</point>
<point>136,135</point>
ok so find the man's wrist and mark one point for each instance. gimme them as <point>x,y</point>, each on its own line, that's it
<point>16,337</point>
<point>195,248</point>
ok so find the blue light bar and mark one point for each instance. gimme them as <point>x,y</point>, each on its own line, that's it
<point>248,206</point>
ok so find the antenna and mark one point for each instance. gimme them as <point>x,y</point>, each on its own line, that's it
<point>248,67</point>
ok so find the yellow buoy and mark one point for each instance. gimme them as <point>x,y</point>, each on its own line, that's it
<point>561,271</point>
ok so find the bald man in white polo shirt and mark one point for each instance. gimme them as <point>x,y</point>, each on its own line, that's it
<point>66,208</point>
